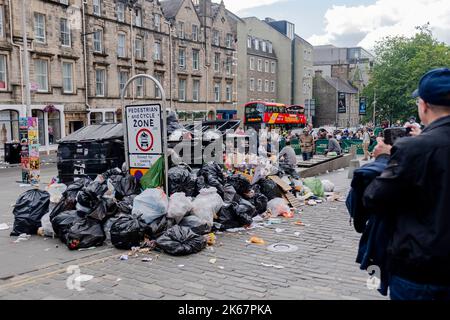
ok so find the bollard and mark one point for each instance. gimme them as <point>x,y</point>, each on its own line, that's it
<point>354,163</point>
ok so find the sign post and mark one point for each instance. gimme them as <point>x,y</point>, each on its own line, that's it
<point>145,132</point>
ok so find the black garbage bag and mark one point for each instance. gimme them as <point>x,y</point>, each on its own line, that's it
<point>89,197</point>
<point>172,123</point>
<point>270,189</point>
<point>105,209</point>
<point>28,211</point>
<point>111,172</point>
<point>63,222</point>
<point>236,215</point>
<point>85,233</point>
<point>240,184</point>
<point>260,202</point>
<point>124,186</point>
<point>69,197</point>
<point>181,179</point>
<point>126,205</point>
<point>127,232</point>
<point>159,227</point>
<point>107,226</point>
<point>195,224</point>
<point>181,241</point>
<point>213,177</point>
<point>229,194</point>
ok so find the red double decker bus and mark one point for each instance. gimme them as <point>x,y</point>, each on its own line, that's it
<point>261,115</point>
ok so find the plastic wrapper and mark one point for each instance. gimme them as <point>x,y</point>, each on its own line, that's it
<point>151,205</point>
<point>315,185</point>
<point>179,206</point>
<point>28,211</point>
<point>85,233</point>
<point>207,204</point>
<point>197,225</point>
<point>127,232</point>
<point>56,191</point>
<point>154,178</point>
<point>181,241</point>
<point>46,225</point>
<point>278,207</point>
<point>328,186</point>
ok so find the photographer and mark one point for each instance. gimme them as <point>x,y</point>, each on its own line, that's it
<point>414,191</point>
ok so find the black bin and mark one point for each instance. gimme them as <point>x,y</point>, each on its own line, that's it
<point>90,151</point>
<point>12,153</point>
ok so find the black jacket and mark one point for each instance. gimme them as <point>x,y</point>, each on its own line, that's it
<point>415,187</point>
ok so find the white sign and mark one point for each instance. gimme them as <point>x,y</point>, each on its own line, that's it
<point>143,161</point>
<point>144,129</point>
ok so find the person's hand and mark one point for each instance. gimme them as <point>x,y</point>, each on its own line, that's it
<point>381,148</point>
<point>415,130</point>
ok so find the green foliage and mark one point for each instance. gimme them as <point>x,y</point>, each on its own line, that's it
<point>400,64</point>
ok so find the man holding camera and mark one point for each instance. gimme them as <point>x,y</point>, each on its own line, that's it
<point>414,192</point>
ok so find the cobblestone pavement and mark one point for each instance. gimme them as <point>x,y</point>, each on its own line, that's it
<point>322,268</point>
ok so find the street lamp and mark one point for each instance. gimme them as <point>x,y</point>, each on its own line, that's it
<point>25,59</point>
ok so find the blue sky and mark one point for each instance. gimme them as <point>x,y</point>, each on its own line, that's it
<point>351,22</point>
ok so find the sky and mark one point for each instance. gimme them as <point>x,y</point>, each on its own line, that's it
<point>351,22</point>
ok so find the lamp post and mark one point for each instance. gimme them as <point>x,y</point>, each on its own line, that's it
<point>26,68</point>
<point>169,24</point>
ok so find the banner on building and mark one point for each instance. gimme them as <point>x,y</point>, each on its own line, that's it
<point>342,105</point>
<point>29,141</point>
<point>362,106</point>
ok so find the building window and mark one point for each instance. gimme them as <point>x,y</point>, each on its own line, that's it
<point>252,84</point>
<point>228,65</point>
<point>140,87</point>
<point>217,62</point>
<point>42,75</point>
<point>2,23</point>
<point>96,117</point>
<point>260,85</point>
<point>196,90</point>
<point>67,71</point>
<point>157,53</point>
<point>252,63</point>
<point>157,18</point>
<point>266,86</point>
<point>229,42</point>
<point>195,59</point>
<point>272,86</point>
<point>100,82</point>
<point>266,67</point>
<point>270,47</point>
<point>40,115</point>
<point>249,42</point>
<point>65,32</point>
<point>98,41</point>
<point>259,65</point>
<point>228,93</point>
<point>158,77</point>
<point>182,90</point>
<point>274,67</point>
<point>138,50</point>
<point>109,117</point>
<point>138,17</point>
<point>217,93</point>
<point>97,6</point>
<point>216,38</point>
<point>182,58</point>
<point>39,27</point>
<point>3,73</point>
<point>264,46</point>
<point>9,123</point>
<point>194,32</point>
<point>121,38</point>
<point>120,11</point>
<point>256,44</point>
<point>54,127</point>
<point>123,78</point>
<point>181,30</point>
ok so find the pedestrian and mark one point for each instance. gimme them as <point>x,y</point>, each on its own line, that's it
<point>288,161</point>
<point>366,143</point>
<point>414,191</point>
<point>333,145</point>
<point>307,145</point>
<point>412,122</point>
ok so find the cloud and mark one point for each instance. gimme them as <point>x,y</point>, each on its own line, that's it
<point>364,25</point>
<point>239,5</point>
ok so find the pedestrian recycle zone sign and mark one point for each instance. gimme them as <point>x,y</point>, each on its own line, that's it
<point>144,128</point>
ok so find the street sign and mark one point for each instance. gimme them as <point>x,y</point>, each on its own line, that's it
<point>342,105</point>
<point>362,106</point>
<point>144,128</point>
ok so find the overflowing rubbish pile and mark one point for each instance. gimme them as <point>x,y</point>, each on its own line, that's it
<point>117,209</point>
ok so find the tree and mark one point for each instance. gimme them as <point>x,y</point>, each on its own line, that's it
<point>400,63</point>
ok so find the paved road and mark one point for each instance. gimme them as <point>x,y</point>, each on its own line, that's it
<point>322,268</point>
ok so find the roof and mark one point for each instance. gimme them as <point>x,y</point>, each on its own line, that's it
<point>170,8</point>
<point>341,85</point>
<point>98,132</point>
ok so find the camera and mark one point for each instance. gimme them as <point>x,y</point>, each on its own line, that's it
<point>392,134</point>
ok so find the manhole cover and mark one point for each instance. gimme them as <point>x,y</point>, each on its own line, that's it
<point>282,248</point>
